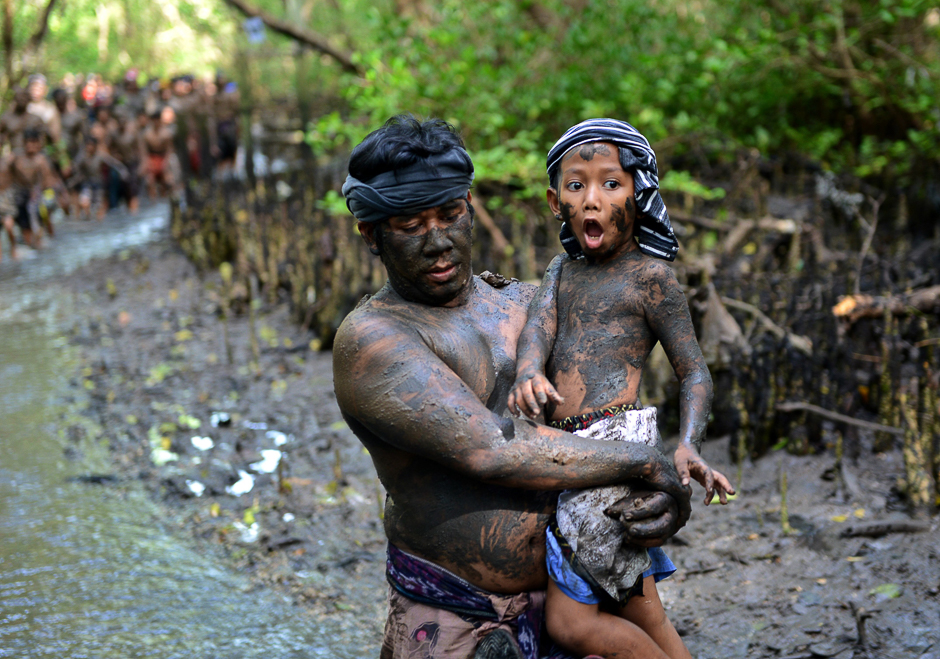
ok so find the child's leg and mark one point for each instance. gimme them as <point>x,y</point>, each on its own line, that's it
<point>646,612</point>
<point>584,629</point>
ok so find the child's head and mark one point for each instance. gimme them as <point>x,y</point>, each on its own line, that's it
<point>624,186</point>
<point>91,145</point>
<point>32,141</point>
<point>592,193</point>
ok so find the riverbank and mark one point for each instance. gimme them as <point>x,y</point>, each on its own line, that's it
<point>251,457</point>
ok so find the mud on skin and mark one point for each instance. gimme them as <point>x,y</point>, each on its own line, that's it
<point>610,317</point>
<point>410,379</point>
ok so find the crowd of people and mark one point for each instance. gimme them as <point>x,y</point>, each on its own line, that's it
<point>87,146</point>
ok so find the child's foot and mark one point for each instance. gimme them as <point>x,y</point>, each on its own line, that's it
<point>498,645</point>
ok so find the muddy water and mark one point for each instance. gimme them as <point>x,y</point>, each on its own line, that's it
<point>89,570</point>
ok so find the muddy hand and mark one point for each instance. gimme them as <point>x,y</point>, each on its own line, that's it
<point>691,465</point>
<point>648,518</point>
<point>664,477</point>
<point>530,393</point>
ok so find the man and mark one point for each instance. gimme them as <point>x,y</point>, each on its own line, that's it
<point>28,173</point>
<point>74,121</point>
<point>422,371</point>
<point>17,120</point>
<point>159,164</point>
<point>223,125</point>
<point>42,108</point>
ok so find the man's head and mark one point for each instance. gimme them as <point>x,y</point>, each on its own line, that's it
<point>61,99</point>
<point>130,81</point>
<point>409,187</point>
<point>32,141</point>
<point>632,152</point>
<point>20,100</point>
<point>37,87</point>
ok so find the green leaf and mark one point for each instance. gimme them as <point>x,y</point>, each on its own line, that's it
<point>887,590</point>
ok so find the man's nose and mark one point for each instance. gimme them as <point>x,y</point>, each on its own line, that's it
<point>437,240</point>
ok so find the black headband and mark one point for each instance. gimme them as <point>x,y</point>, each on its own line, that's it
<point>427,183</point>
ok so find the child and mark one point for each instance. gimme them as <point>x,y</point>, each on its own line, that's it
<point>87,180</point>
<point>591,327</point>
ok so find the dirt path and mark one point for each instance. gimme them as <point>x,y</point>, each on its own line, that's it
<point>157,369</point>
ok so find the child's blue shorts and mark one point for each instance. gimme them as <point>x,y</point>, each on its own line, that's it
<point>561,572</point>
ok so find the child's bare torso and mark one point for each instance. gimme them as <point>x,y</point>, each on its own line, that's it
<point>603,336</point>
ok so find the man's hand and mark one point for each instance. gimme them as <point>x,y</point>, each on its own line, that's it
<point>690,465</point>
<point>648,518</point>
<point>530,392</point>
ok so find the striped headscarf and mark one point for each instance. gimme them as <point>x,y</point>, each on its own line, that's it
<point>653,230</point>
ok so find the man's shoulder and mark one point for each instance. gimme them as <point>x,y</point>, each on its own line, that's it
<point>511,290</point>
<point>373,314</point>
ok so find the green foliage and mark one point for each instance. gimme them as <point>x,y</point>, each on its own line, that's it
<point>110,36</point>
<point>679,181</point>
<point>848,83</point>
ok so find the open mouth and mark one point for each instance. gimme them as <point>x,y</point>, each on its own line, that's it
<point>593,233</point>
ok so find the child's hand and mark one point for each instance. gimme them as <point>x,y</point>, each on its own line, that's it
<point>690,464</point>
<point>529,393</point>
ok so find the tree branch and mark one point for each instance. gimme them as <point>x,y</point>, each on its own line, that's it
<point>8,41</point>
<point>795,406</point>
<point>296,32</point>
<point>42,28</point>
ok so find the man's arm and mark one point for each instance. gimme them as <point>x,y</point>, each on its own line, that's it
<point>388,380</point>
<point>532,389</point>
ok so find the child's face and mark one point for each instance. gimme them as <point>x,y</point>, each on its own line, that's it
<point>595,197</point>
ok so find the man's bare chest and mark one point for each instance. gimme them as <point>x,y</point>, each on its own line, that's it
<point>26,171</point>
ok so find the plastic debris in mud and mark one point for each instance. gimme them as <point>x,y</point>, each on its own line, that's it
<point>202,443</point>
<point>255,425</point>
<point>218,419</point>
<point>196,487</point>
<point>246,533</point>
<point>268,463</point>
<point>243,485</point>
<point>278,437</point>
<point>161,456</point>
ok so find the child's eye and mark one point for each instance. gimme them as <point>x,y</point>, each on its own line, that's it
<point>611,184</point>
<point>574,185</point>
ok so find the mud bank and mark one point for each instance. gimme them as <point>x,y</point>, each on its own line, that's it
<point>252,457</point>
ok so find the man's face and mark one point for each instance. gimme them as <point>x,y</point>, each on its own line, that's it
<point>595,197</point>
<point>37,90</point>
<point>427,255</point>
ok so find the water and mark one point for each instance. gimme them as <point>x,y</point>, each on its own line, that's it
<point>90,571</point>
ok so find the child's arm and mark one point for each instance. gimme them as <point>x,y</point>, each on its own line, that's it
<point>668,315</point>
<point>532,389</point>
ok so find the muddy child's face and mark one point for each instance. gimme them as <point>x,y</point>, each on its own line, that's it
<point>427,255</point>
<point>595,197</point>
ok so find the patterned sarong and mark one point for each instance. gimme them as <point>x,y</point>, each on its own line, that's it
<point>434,613</point>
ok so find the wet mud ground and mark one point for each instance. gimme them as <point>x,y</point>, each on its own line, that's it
<point>155,370</point>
